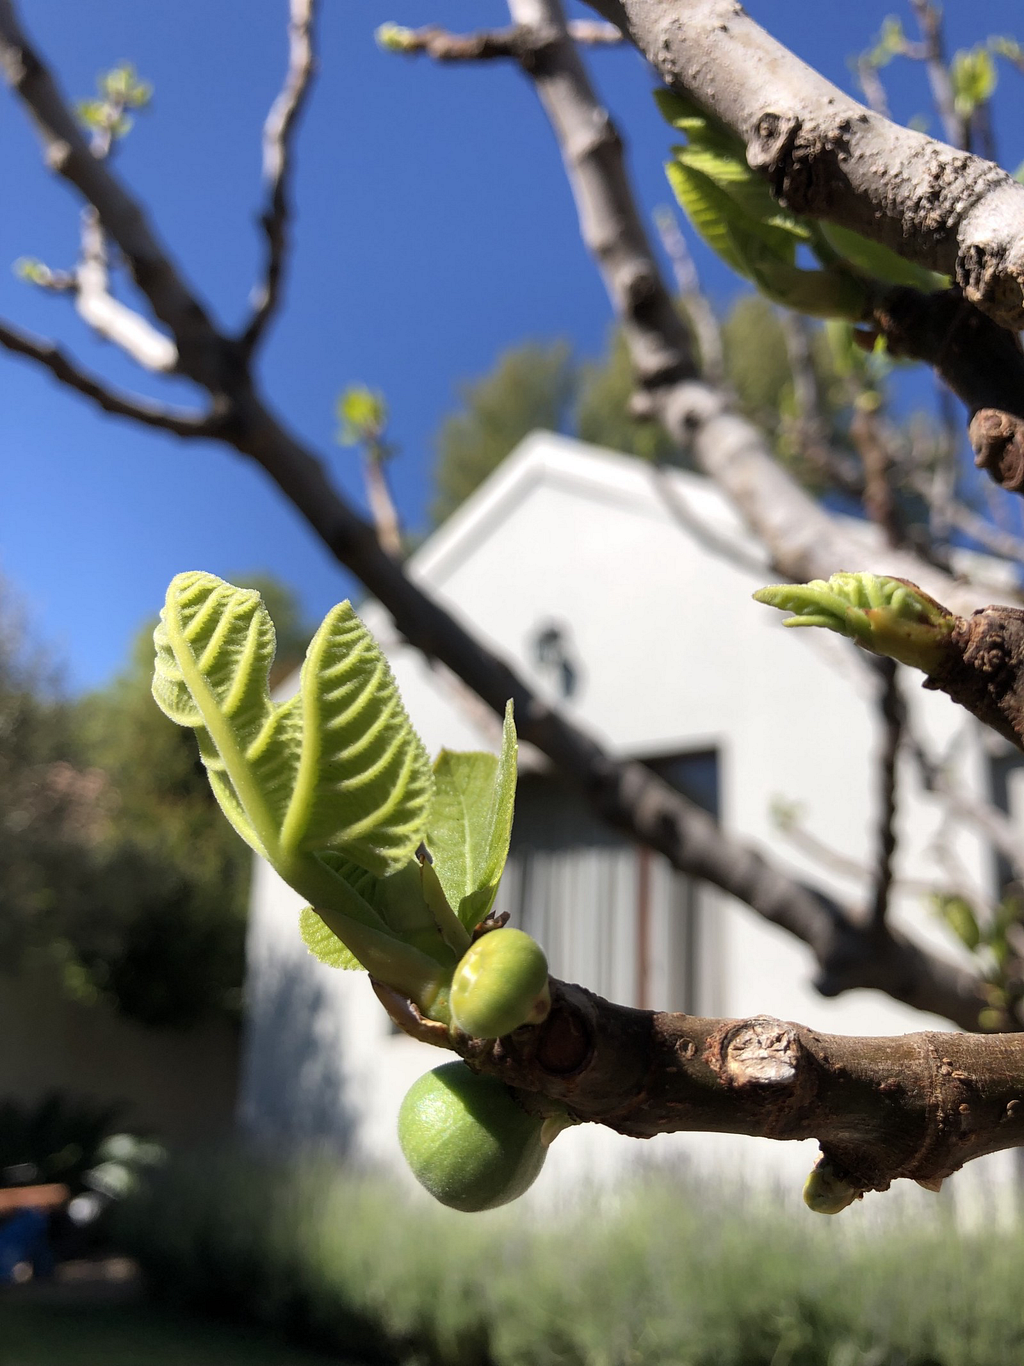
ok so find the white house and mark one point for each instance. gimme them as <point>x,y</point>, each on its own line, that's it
<point>623,594</point>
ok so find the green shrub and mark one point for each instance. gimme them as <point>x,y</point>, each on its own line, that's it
<point>659,1273</point>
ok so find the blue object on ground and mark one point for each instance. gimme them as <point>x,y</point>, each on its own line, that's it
<point>24,1239</point>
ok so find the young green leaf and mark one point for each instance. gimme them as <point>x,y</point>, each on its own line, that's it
<point>878,262</point>
<point>725,211</point>
<point>337,767</point>
<point>341,942</point>
<point>731,174</point>
<point>890,617</point>
<point>408,902</point>
<point>699,127</point>
<point>324,943</point>
<point>470,824</point>
<point>732,208</point>
<point>214,647</point>
<point>363,786</point>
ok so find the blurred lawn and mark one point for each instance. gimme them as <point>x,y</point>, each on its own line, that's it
<point>46,1334</point>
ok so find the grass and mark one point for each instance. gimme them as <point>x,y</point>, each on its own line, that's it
<point>45,1334</point>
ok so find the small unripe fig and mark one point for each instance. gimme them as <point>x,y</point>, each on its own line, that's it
<point>826,1192</point>
<point>501,983</point>
<point>467,1140</point>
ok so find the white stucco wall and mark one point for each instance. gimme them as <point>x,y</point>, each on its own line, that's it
<point>673,655</point>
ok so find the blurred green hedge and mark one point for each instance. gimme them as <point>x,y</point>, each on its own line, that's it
<point>659,1273</point>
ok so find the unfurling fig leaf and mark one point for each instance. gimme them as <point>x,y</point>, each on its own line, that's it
<point>732,208</point>
<point>324,943</point>
<point>890,617</point>
<point>405,904</point>
<point>879,262</point>
<point>470,824</point>
<point>826,1192</point>
<point>395,38</point>
<point>337,767</point>
<point>467,1139</point>
<point>733,211</point>
<point>342,941</point>
<point>501,983</point>
<point>362,413</point>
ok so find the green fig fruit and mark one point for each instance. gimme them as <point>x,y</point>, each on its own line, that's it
<point>501,983</point>
<point>826,1192</point>
<point>467,1139</point>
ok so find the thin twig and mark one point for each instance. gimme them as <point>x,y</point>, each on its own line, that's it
<point>968,807</point>
<point>871,85</point>
<point>893,714</point>
<point>876,460</point>
<point>929,19</point>
<point>278,160</point>
<point>980,529</point>
<point>517,42</point>
<point>45,352</point>
<point>382,505</point>
<point>699,312</point>
<point>109,317</point>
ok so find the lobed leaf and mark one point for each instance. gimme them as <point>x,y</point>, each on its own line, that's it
<point>337,767</point>
<point>214,647</point>
<point>363,785</point>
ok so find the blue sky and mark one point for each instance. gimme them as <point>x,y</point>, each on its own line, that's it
<point>434,228</point>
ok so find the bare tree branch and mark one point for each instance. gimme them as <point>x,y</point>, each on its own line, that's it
<point>106,315</point>
<point>871,84</point>
<point>67,152</point>
<point>893,716</point>
<point>929,19</point>
<point>658,340</point>
<point>278,137</point>
<point>382,506</point>
<point>879,500</point>
<point>517,42</point>
<point>916,1106</point>
<point>994,824</point>
<point>699,313</point>
<point>830,157</point>
<point>176,420</point>
<point>997,542</point>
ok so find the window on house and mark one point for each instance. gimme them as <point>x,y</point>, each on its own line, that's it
<point>614,917</point>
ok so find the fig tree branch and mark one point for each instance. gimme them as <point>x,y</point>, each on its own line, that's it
<point>829,157</point>
<point>933,54</point>
<point>915,1106</point>
<point>893,715</point>
<point>47,353</point>
<point>485,45</point>
<point>67,153</point>
<point>278,156</point>
<point>108,316</point>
